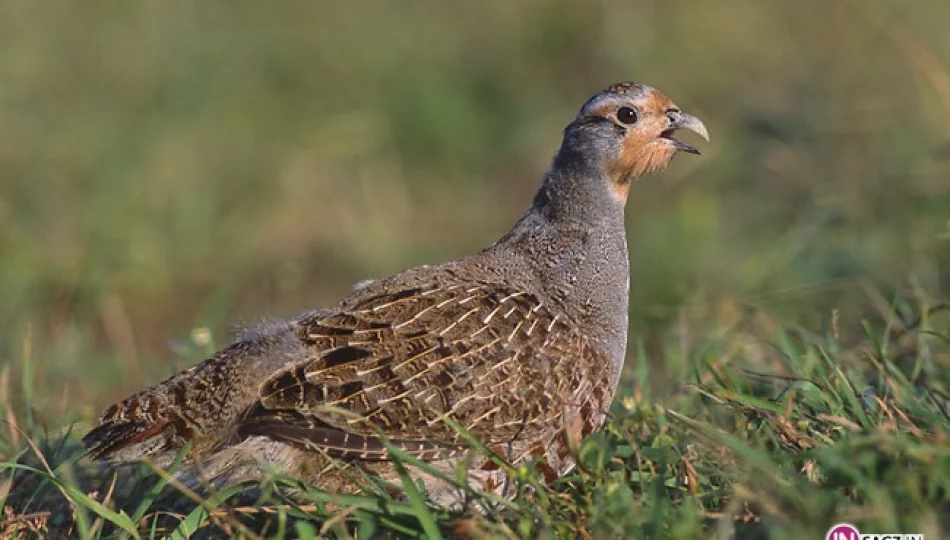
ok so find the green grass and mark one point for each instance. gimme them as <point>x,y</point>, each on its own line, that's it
<point>770,434</point>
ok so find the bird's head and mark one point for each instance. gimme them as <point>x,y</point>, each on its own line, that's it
<point>626,131</point>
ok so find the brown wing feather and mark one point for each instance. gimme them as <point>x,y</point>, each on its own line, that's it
<point>495,359</point>
<point>308,432</point>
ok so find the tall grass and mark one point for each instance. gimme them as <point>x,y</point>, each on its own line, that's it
<point>775,433</point>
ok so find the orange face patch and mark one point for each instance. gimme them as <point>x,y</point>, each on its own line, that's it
<point>642,150</point>
<point>638,159</point>
<point>657,103</point>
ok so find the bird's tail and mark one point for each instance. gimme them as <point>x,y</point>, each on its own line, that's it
<point>200,405</point>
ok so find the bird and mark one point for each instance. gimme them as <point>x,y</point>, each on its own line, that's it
<point>521,344</point>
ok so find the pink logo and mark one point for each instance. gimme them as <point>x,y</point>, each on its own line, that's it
<point>843,531</point>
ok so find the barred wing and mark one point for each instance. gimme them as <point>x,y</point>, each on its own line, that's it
<point>494,359</point>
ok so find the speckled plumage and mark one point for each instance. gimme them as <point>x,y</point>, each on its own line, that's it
<point>521,343</point>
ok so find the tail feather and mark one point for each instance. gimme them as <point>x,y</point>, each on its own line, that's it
<point>128,441</point>
<point>200,404</point>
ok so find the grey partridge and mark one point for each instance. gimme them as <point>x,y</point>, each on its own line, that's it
<point>522,343</point>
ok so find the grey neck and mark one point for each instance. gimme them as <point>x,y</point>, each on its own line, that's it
<point>573,242</point>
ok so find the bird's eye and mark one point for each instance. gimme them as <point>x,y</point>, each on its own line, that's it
<point>627,115</point>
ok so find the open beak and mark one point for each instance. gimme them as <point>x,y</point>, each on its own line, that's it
<point>681,120</point>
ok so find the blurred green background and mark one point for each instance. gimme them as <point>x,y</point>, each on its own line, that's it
<point>170,171</point>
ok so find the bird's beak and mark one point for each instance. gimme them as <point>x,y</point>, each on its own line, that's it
<point>681,120</point>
